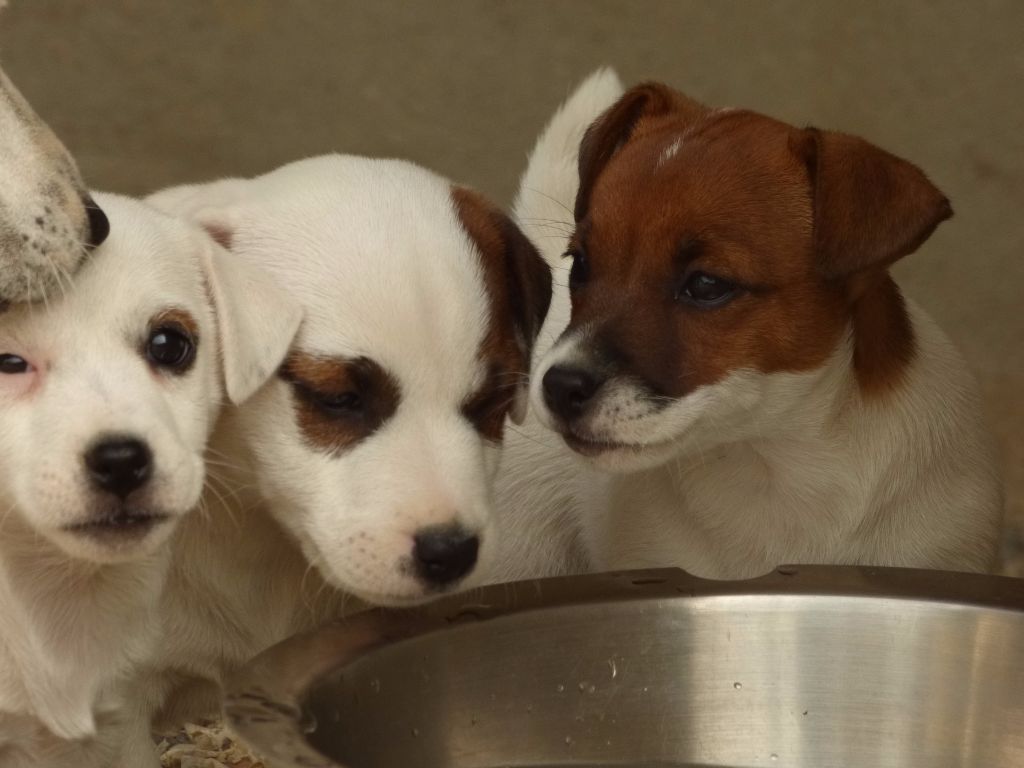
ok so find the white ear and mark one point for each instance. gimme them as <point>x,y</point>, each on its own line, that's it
<point>256,321</point>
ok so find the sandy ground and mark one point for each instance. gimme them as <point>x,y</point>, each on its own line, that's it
<point>207,745</point>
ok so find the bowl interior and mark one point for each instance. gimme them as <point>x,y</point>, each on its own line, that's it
<point>737,680</point>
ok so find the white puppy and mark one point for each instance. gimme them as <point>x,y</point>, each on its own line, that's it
<point>375,448</point>
<point>48,221</point>
<point>747,389</point>
<point>108,394</point>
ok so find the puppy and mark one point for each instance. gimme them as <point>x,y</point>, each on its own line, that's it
<point>365,468</point>
<point>734,363</point>
<point>48,220</point>
<point>108,394</point>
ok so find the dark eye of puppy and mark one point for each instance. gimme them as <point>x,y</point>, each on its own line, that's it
<point>13,364</point>
<point>337,405</point>
<point>170,348</point>
<point>699,289</point>
<point>580,271</point>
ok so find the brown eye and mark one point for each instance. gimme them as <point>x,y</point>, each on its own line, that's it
<point>171,349</point>
<point>706,291</point>
<point>343,405</point>
<point>579,273</point>
<point>12,365</point>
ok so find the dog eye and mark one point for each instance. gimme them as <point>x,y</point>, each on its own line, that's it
<point>12,365</point>
<point>704,290</point>
<point>580,271</point>
<point>344,404</point>
<point>171,349</point>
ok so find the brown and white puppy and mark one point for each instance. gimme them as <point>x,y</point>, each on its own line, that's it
<point>738,364</point>
<point>367,465</point>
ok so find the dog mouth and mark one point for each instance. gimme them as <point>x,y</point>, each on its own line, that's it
<point>591,447</point>
<point>588,446</point>
<point>120,526</point>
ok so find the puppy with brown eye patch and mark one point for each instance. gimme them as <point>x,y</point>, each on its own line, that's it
<point>735,380</point>
<point>340,402</point>
<point>367,464</point>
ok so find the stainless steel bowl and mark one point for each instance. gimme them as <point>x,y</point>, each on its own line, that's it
<point>805,668</point>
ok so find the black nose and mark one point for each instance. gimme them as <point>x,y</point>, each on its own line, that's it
<point>99,225</point>
<point>568,390</point>
<point>444,555</point>
<point>119,465</point>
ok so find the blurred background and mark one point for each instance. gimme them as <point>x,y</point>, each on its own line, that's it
<point>147,93</point>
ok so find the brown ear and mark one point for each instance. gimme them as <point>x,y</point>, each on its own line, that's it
<point>617,125</point>
<point>870,208</point>
<point>518,280</point>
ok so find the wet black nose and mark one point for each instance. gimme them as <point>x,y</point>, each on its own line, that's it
<point>568,390</point>
<point>444,555</point>
<point>119,465</point>
<point>99,225</point>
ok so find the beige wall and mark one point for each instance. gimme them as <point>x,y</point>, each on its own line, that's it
<point>151,92</point>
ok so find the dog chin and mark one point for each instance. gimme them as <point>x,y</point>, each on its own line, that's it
<point>401,591</point>
<point>415,594</point>
<point>620,457</point>
<point>117,539</point>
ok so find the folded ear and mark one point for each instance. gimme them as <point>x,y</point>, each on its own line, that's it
<point>619,123</point>
<point>871,208</point>
<point>518,282</point>
<point>530,284</point>
<point>209,204</point>
<point>256,321</point>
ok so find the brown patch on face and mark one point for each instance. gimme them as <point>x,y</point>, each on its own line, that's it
<point>518,284</point>
<point>180,319</point>
<point>339,401</point>
<point>760,205</point>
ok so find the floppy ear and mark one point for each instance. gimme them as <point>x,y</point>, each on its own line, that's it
<point>619,123</point>
<point>209,204</point>
<point>871,208</point>
<point>256,321</point>
<point>530,285</point>
<point>518,280</point>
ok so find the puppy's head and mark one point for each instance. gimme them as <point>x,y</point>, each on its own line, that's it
<point>48,221</point>
<point>109,391</point>
<point>720,259</point>
<point>377,445</point>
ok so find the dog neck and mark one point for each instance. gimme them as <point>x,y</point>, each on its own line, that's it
<point>70,629</point>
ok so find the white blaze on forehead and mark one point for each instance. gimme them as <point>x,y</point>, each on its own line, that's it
<point>670,151</point>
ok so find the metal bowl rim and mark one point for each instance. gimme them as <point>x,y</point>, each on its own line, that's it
<point>269,690</point>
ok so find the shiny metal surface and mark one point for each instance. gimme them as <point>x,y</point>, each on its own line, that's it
<point>804,668</point>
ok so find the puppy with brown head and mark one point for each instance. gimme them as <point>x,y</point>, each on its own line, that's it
<point>738,355</point>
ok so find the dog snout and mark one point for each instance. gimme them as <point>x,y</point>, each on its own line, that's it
<point>99,225</point>
<point>568,390</point>
<point>119,465</point>
<point>445,554</point>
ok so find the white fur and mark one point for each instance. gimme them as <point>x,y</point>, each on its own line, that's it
<point>43,222</point>
<point>756,470</point>
<point>374,252</point>
<point>77,614</point>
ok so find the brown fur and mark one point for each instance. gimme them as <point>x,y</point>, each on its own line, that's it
<point>805,222</point>
<point>518,286</point>
<point>314,378</point>
<point>178,318</point>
